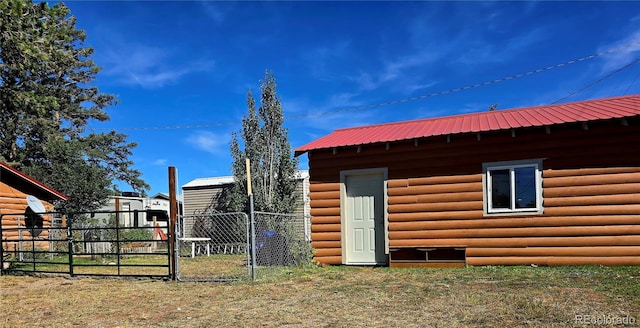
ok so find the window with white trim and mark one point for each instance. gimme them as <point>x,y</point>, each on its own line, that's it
<point>513,187</point>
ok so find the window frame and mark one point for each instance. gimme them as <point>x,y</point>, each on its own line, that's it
<point>511,166</point>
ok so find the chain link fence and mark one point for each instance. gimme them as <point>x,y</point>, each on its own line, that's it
<point>218,246</point>
<point>281,240</point>
<point>213,247</point>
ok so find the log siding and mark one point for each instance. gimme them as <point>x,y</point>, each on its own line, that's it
<point>590,190</point>
<point>13,204</point>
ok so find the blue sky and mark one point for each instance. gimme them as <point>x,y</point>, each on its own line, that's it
<point>185,64</point>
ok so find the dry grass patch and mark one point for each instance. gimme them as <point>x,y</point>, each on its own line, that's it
<point>330,297</point>
<point>219,266</point>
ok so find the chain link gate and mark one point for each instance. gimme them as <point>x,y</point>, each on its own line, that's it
<point>213,247</point>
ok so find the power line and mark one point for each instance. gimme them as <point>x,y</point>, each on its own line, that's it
<point>399,101</point>
<point>599,80</point>
<point>631,83</point>
<point>173,127</point>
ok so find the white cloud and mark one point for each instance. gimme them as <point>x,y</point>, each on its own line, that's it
<point>627,50</point>
<point>214,11</point>
<point>160,162</point>
<point>342,100</point>
<point>147,66</point>
<point>402,68</point>
<point>406,73</point>
<point>365,81</point>
<point>334,102</point>
<point>411,88</point>
<point>399,67</point>
<point>216,144</point>
<point>337,111</point>
<point>481,52</point>
<point>323,60</point>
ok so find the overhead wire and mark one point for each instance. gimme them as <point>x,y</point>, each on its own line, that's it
<point>631,83</point>
<point>404,100</point>
<point>598,80</point>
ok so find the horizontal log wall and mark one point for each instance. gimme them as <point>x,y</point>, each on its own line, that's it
<point>325,222</point>
<point>591,191</point>
<point>13,204</point>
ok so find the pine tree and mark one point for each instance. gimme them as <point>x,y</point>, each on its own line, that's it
<point>47,101</point>
<point>266,144</point>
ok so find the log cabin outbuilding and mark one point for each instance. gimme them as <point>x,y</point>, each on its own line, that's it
<point>545,185</point>
<point>17,190</point>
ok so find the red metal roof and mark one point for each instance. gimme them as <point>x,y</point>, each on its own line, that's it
<point>582,111</point>
<point>5,166</point>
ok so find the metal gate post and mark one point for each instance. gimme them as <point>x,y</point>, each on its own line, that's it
<point>173,215</point>
<point>118,239</point>
<point>253,223</point>
<point>174,267</point>
<point>33,247</point>
<point>247,241</point>
<point>70,243</point>
<point>1,248</point>
<point>254,265</point>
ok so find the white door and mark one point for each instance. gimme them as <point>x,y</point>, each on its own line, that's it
<point>364,219</point>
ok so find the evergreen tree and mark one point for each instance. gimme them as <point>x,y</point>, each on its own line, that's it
<point>47,101</point>
<point>266,144</point>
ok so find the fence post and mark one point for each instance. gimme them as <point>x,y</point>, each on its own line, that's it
<point>174,270</point>
<point>173,213</point>
<point>254,265</point>
<point>1,247</point>
<point>33,246</point>
<point>20,248</point>
<point>247,241</point>
<point>118,239</point>
<point>70,242</point>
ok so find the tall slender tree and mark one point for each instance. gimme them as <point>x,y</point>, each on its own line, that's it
<point>46,102</point>
<point>266,143</point>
